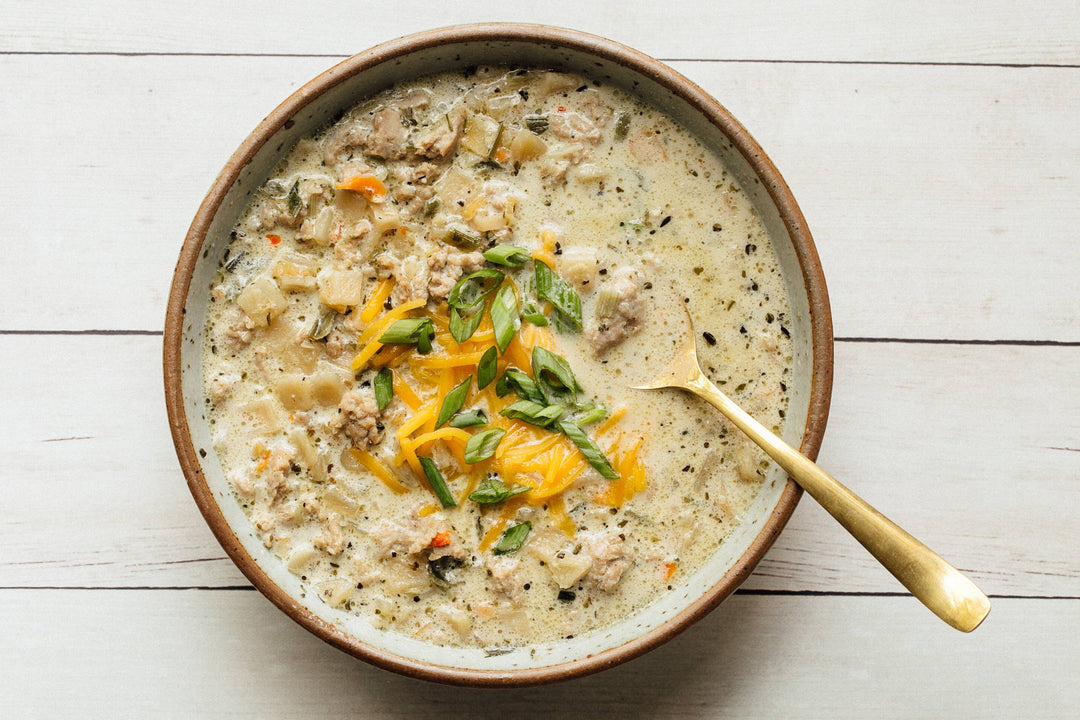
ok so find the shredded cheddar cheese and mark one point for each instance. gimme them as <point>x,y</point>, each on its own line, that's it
<point>377,469</point>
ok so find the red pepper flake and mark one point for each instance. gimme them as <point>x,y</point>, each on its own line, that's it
<point>441,539</point>
<point>274,239</point>
<point>561,109</point>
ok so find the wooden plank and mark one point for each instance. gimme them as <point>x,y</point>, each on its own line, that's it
<point>942,198</point>
<point>923,31</point>
<point>973,448</point>
<point>232,654</point>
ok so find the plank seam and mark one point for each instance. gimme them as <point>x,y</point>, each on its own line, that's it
<point>741,591</point>
<point>851,340</point>
<point>763,61</point>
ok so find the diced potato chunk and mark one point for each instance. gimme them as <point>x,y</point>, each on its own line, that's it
<point>302,357</point>
<point>318,228</point>
<point>336,591</point>
<point>455,188</point>
<point>301,557</point>
<point>294,272</point>
<point>327,387</point>
<point>458,619</point>
<point>294,392</point>
<point>486,218</point>
<point>587,173</point>
<point>385,217</point>
<point>262,301</point>
<point>527,145</point>
<point>567,568</point>
<point>315,462</point>
<point>553,82</point>
<point>335,501</point>
<point>481,134</point>
<point>342,289</point>
<point>261,417</point>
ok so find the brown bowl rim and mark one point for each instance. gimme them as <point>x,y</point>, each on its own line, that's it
<point>813,277</point>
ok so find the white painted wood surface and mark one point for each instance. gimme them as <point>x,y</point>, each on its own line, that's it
<point>935,151</point>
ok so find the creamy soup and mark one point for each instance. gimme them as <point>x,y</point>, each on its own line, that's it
<point>422,334</point>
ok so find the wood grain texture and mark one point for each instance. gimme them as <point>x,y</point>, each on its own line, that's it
<point>102,502</point>
<point>119,654</point>
<point>996,31</point>
<point>948,191</point>
<point>938,170</point>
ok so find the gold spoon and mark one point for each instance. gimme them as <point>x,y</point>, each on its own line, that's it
<point>938,585</point>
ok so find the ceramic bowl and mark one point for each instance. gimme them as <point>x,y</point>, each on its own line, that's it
<point>323,100</point>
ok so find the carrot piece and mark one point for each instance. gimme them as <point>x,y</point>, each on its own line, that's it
<point>369,186</point>
<point>441,539</point>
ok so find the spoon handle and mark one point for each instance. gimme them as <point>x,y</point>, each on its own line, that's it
<point>938,585</point>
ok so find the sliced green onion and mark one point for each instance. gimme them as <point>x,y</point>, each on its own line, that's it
<point>472,289</point>
<point>606,302</point>
<point>453,402</point>
<point>554,289</point>
<point>235,261</point>
<point>512,539</point>
<point>487,368</point>
<point>493,490</point>
<point>464,238</point>
<point>438,483</point>
<point>472,418</point>
<point>515,381</point>
<point>323,325</point>
<point>589,413</point>
<point>293,203</point>
<point>588,448</point>
<point>533,413</point>
<point>482,445</point>
<point>504,316</point>
<point>440,570</point>
<point>407,331</point>
<point>622,125</point>
<point>495,143</point>
<point>537,123</point>
<point>507,255</point>
<point>462,329</point>
<point>554,377</point>
<point>383,382</point>
<point>530,311</point>
<point>423,342</point>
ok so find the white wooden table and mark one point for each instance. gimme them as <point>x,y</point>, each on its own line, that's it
<point>935,150</point>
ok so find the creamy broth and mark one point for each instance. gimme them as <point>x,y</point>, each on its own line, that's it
<point>375,226</point>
